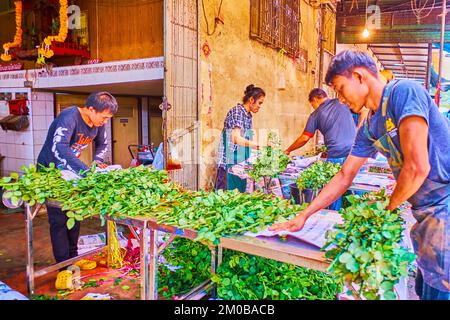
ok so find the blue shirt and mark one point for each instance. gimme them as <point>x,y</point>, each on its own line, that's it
<point>237,117</point>
<point>67,137</point>
<point>335,121</point>
<point>409,98</point>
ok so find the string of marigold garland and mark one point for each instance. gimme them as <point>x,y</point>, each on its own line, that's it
<point>44,50</point>
<point>17,42</point>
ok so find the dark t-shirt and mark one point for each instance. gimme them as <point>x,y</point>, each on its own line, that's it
<point>67,137</point>
<point>335,121</point>
<point>408,98</point>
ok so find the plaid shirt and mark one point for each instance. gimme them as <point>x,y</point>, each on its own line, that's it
<point>237,117</point>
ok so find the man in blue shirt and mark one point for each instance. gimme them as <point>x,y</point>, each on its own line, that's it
<point>71,132</point>
<point>406,126</point>
<point>335,121</point>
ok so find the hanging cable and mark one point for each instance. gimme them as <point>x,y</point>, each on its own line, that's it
<point>418,11</point>
<point>216,19</point>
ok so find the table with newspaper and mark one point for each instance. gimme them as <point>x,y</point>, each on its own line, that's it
<point>365,181</point>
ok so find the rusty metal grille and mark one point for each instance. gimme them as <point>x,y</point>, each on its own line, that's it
<point>181,87</point>
<point>276,23</point>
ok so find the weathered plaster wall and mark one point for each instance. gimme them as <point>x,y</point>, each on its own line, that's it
<point>236,61</point>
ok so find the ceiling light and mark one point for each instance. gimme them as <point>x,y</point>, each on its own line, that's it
<point>366,33</point>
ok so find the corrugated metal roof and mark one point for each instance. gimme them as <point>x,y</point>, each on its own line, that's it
<point>404,60</point>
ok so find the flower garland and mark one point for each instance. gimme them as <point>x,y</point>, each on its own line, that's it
<point>44,50</point>
<point>18,37</point>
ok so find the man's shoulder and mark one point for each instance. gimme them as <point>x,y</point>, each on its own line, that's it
<point>330,105</point>
<point>68,112</point>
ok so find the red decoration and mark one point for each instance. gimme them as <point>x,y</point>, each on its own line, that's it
<point>69,49</point>
<point>18,107</point>
<point>11,67</point>
<point>206,49</point>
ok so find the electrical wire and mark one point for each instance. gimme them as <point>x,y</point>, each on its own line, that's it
<point>417,12</point>
<point>215,19</point>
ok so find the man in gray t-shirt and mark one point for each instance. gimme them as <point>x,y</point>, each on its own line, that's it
<point>334,120</point>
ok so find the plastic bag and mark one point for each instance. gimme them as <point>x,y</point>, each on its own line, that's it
<point>158,163</point>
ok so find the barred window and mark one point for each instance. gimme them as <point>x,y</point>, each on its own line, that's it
<point>276,23</point>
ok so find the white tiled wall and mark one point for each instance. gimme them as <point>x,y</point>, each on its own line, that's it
<point>23,148</point>
<point>43,116</point>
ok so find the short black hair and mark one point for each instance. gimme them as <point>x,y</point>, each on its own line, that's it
<point>345,62</point>
<point>253,92</point>
<point>102,101</point>
<point>317,93</point>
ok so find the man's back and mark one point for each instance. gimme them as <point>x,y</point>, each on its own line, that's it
<point>335,121</point>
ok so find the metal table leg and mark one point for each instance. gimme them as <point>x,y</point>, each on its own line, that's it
<point>145,258</point>
<point>153,281</point>
<point>216,260</point>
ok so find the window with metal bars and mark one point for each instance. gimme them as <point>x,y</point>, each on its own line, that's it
<point>276,23</point>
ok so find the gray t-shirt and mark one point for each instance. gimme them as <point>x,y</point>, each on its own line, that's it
<point>335,121</point>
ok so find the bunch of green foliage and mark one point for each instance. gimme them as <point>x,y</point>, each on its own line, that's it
<point>187,265</point>
<point>271,160</point>
<point>215,215</point>
<point>148,193</point>
<point>248,277</point>
<point>317,175</point>
<point>240,276</point>
<point>35,186</point>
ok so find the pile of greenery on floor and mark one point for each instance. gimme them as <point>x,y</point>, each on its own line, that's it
<point>240,276</point>
<point>248,277</point>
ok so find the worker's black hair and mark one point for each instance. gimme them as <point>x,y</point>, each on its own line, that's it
<point>102,101</point>
<point>317,93</point>
<point>345,62</point>
<point>253,92</point>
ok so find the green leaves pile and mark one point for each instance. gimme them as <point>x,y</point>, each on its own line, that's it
<point>271,160</point>
<point>240,276</point>
<point>130,192</point>
<point>247,277</point>
<point>145,192</point>
<point>367,247</point>
<point>215,215</point>
<point>34,187</point>
<point>192,262</point>
<point>317,175</point>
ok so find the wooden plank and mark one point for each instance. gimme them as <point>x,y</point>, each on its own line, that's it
<point>272,249</point>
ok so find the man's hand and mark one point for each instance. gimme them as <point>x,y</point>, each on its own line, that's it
<point>288,153</point>
<point>293,225</point>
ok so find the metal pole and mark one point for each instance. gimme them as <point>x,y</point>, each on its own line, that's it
<point>430,58</point>
<point>144,263</point>
<point>30,261</point>
<point>214,266</point>
<point>153,272</point>
<point>441,53</point>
